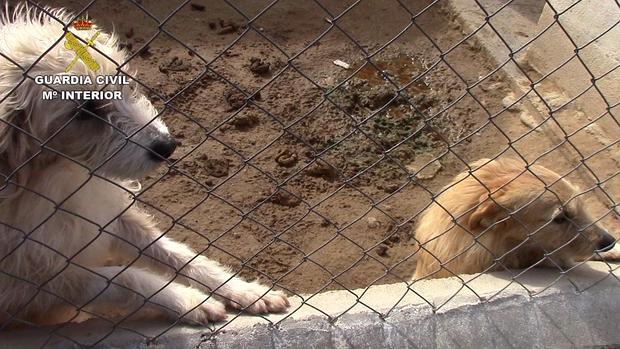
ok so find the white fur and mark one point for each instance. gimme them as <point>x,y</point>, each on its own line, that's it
<point>72,239</point>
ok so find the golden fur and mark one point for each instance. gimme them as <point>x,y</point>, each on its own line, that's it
<point>505,214</point>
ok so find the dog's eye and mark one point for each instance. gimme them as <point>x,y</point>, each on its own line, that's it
<point>87,111</point>
<point>562,217</point>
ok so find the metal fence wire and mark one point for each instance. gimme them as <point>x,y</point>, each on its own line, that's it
<point>314,136</point>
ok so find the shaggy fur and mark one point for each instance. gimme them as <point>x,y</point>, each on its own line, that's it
<point>505,213</point>
<point>71,236</point>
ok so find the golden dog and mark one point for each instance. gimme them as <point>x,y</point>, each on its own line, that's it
<point>504,214</point>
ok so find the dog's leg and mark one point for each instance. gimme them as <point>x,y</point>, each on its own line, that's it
<point>137,228</point>
<point>611,255</point>
<point>127,292</point>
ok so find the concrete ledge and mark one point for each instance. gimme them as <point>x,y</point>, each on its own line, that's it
<point>541,308</point>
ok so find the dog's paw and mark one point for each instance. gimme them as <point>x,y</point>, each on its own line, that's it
<point>613,255</point>
<point>209,311</point>
<point>192,305</point>
<point>254,298</point>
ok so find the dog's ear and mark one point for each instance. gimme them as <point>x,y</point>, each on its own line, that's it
<point>15,148</point>
<point>488,211</point>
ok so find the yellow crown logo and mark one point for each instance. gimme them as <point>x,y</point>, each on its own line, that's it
<point>82,24</point>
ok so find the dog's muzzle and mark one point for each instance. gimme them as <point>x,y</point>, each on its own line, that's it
<point>606,243</point>
<point>162,148</point>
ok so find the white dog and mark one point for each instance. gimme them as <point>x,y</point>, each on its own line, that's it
<point>71,236</point>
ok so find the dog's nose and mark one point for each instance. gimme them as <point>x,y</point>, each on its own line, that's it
<point>161,149</point>
<point>606,243</point>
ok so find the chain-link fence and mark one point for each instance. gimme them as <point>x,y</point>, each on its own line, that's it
<point>318,146</point>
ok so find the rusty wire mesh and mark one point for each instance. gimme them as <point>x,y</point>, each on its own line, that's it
<point>404,114</point>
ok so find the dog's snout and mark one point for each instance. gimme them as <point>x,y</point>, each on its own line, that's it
<point>606,243</point>
<point>163,148</point>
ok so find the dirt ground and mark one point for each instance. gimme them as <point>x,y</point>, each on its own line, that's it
<point>285,172</point>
